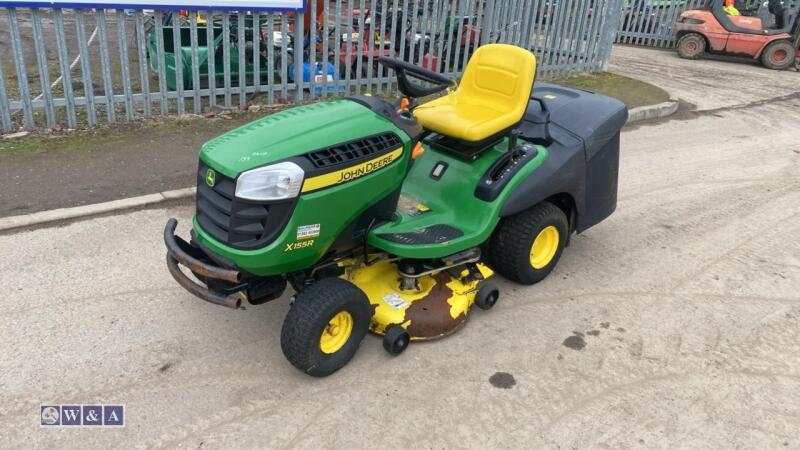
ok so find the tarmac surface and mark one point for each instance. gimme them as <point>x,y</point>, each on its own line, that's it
<point>674,323</point>
<point>105,164</point>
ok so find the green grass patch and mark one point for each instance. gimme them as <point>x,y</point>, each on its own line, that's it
<point>169,131</point>
<point>633,93</point>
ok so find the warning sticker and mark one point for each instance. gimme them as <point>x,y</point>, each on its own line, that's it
<point>411,206</point>
<point>395,301</point>
<point>308,231</point>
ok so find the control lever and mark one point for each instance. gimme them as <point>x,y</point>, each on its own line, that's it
<point>547,139</point>
<point>512,143</point>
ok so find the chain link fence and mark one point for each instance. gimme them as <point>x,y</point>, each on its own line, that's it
<point>78,67</point>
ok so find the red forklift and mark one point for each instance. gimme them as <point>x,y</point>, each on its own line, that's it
<point>712,31</point>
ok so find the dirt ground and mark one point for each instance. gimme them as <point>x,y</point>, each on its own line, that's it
<point>674,323</point>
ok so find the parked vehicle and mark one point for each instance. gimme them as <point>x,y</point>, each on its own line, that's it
<point>392,217</point>
<point>365,48</point>
<point>710,31</point>
<point>184,47</point>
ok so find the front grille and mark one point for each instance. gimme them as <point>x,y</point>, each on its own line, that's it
<point>354,150</point>
<point>231,220</point>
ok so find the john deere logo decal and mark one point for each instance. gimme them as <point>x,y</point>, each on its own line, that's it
<point>351,173</point>
<point>211,178</point>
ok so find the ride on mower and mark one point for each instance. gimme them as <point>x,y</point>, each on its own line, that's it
<point>392,218</point>
<point>711,31</point>
<point>180,50</point>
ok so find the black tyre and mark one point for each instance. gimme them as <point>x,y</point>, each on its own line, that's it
<point>396,340</point>
<point>526,247</point>
<point>487,296</point>
<point>778,55</point>
<point>691,46</point>
<point>325,326</point>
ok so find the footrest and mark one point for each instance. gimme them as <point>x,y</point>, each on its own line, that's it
<point>434,234</point>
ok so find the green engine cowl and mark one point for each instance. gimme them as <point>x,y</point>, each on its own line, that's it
<point>354,161</point>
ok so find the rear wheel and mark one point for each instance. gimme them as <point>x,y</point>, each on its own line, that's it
<point>691,46</point>
<point>778,55</point>
<point>325,326</point>
<point>526,247</point>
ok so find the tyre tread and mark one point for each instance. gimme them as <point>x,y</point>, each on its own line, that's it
<point>308,314</point>
<point>767,61</point>
<point>510,241</point>
<point>688,36</point>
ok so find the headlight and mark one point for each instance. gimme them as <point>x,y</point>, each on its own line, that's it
<point>276,182</point>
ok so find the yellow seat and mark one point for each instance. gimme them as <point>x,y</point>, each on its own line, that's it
<point>492,96</point>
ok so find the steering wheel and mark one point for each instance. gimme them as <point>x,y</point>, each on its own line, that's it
<point>405,70</point>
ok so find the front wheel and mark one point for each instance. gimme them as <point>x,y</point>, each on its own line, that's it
<point>396,340</point>
<point>487,296</point>
<point>691,46</point>
<point>526,247</point>
<point>325,326</point>
<point>778,55</point>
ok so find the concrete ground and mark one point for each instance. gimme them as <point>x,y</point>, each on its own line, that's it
<point>675,323</point>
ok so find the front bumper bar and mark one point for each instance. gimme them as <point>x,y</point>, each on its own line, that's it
<point>179,251</point>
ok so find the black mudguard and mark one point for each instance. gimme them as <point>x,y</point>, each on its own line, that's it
<point>564,171</point>
<point>582,130</point>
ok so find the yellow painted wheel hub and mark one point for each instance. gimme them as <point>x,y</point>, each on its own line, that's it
<point>544,247</point>
<point>336,333</point>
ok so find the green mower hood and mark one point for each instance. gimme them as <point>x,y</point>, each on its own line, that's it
<point>290,133</point>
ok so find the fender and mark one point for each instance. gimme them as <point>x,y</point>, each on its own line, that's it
<point>564,171</point>
<point>583,155</point>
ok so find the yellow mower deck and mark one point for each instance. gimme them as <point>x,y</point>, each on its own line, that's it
<point>436,308</point>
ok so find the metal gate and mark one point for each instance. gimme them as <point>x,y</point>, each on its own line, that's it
<point>73,67</point>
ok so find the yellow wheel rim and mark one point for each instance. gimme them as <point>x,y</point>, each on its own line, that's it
<point>336,333</point>
<point>544,247</point>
